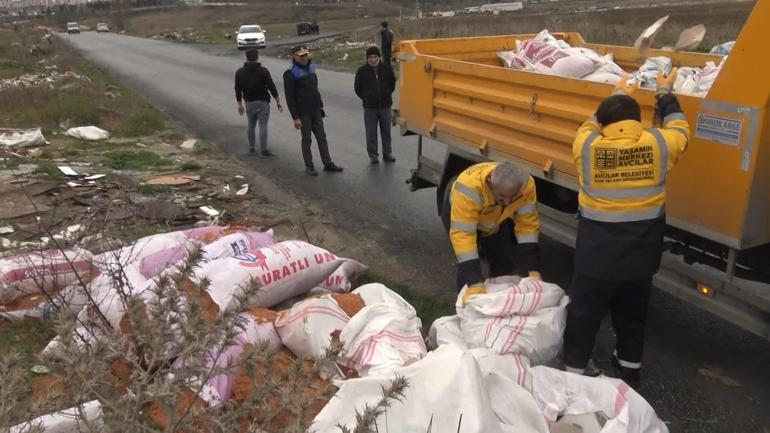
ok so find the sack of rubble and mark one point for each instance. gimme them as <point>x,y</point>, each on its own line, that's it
<point>342,279</point>
<point>607,405</point>
<point>524,316</point>
<point>281,271</point>
<point>43,272</point>
<point>384,335</point>
<point>548,59</point>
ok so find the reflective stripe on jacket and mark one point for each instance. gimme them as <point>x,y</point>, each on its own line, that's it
<point>474,211</point>
<point>622,167</point>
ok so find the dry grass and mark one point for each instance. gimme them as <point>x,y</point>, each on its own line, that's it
<point>98,100</point>
<point>723,23</point>
<point>279,18</point>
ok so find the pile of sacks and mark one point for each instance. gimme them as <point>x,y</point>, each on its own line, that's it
<point>485,373</point>
<point>548,55</point>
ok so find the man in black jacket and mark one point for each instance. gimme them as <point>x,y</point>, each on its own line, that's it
<point>254,84</point>
<point>386,41</point>
<point>374,84</point>
<point>300,83</point>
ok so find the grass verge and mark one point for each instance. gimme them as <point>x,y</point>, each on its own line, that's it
<point>134,160</point>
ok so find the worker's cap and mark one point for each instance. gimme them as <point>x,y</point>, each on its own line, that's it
<point>300,50</point>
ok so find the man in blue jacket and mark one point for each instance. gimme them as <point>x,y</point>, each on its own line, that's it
<point>300,84</point>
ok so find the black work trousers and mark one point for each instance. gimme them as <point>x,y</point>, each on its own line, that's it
<point>590,300</point>
<point>313,123</point>
<point>499,249</point>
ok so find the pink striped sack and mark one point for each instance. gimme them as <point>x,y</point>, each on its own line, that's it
<point>306,329</point>
<point>527,317</point>
<point>43,271</point>
<point>384,336</point>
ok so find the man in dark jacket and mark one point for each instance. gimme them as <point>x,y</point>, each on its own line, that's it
<point>300,84</point>
<point>386,41</point>
<point>254,85</point>
<point>374,84</point>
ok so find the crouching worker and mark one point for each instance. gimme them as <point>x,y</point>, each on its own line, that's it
<point>493,209</point>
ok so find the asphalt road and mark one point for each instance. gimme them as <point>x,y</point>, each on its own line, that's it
<point>701,374</point>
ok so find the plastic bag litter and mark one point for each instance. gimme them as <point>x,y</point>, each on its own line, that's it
<point>22,137</point>
<point>66,421</point>
<point>647,75</point>
<point>527,318</point>
<point>88,133</point>
<point>560,393</point>
<point>723,49</point>
<point>43,271</point>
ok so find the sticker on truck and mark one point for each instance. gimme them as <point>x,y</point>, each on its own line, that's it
<point>719,129</point>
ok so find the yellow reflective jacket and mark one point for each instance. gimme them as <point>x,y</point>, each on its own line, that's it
<point>474,211</point>
<point>622,167</point>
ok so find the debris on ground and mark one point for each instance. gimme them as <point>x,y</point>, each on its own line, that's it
<point>88,133</point>
<point>50,77</point>
<point>17,138</point>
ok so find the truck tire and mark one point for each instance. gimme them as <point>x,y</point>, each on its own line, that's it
<point>446,210</point>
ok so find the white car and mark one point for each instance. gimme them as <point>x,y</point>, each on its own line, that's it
<point>73,28</point>
<point>102,27</point>
<point>250,36</point>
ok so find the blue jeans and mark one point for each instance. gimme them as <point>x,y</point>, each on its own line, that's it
<point>257,112</point>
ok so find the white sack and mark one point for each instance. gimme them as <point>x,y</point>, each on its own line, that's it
<point>376,293</point>
<point>88,133</point>
<point>443,385</point>
<point>527,318</point>
<point>21,137</point>
<point>552,60</point>
<point>446,330</point>
<point>66,421</point>
<point>603,77</point>
<point>341,280</point>
<point>283,271</point>
<point>381,338</point>
<point>41,271</point>
<point>306,329</point>
<point>561,393</point>
<point>507,381</point>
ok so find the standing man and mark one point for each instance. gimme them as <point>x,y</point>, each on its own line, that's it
<point>300,84</point>
<point>374,84</point>
<point>622,171</point>
<point>386,42</point>
<point>254,84</point>
<point>493,206</point>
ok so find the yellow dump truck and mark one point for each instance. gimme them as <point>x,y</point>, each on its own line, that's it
<point>457,92</point>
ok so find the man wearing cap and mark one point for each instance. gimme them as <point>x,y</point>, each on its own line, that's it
<point>300,84</point>
<point>374,84</point>
<point>254,85</point>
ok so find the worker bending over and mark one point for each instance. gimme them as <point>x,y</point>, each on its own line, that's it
<point>493,208</point>
<point>622,171</point>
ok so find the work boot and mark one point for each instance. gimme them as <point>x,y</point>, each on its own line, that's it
<point>332,167</point>
<point>389,158</point>
<point>590,371</point>
<point>310,171</point>
<point>374,160</point>
<point>631,376</point>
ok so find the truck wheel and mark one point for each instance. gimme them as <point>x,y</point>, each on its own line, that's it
<point>446,211</point>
